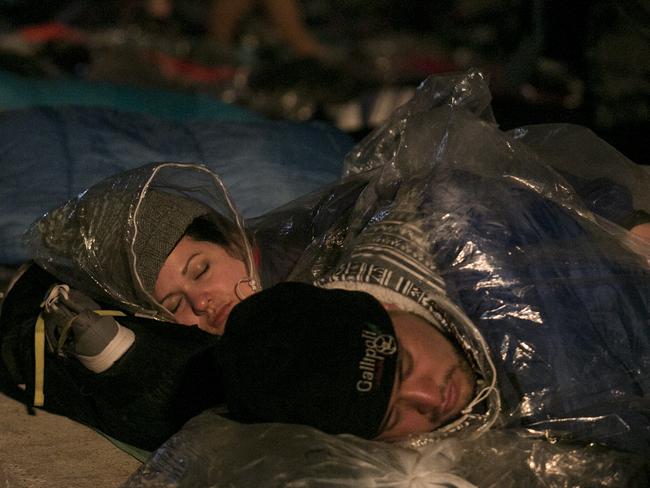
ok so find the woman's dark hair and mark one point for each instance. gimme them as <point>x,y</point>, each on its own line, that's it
<point>217,230</point>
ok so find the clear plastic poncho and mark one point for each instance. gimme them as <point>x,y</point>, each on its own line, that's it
<point>92,241</point>
<point>514,243</point>
<point>510,241</point>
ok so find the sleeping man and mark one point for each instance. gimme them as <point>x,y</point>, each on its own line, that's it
<point>338,360</point>
<point>516,297</point>
<point>512,246</point>
<point>493,306</point>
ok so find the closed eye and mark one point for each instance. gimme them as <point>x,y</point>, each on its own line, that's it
<point>202,271</point>
<point>173,305</point>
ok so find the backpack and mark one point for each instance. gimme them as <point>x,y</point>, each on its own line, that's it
<point>169,374</point>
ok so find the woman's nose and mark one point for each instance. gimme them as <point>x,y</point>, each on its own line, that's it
<point>199,300</point>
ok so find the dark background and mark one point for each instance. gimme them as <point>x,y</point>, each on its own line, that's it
<point>584,62</point>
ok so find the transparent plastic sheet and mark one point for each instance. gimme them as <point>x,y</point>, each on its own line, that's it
<point>545,295</point>
<point>508,232</point>
<point>495,223</point>
<point>449,125</point>
<point>577,150</point>
<point>90,242</point>
<point>213,451</point>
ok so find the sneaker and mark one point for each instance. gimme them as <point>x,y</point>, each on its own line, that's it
<point>72,327</point>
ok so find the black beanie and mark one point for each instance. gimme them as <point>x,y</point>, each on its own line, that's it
<point>295,353</point>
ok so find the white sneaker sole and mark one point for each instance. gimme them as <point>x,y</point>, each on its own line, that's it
<point>111,353</point>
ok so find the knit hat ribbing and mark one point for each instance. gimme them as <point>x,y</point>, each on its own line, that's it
<point>161,221</point>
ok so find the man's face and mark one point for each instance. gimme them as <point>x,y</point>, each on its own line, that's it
<point>433,381</point>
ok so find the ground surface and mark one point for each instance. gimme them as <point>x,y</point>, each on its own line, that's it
<point>51,451</point>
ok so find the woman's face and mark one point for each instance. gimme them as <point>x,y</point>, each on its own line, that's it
<point>433,381</point>
<point>197,284</point>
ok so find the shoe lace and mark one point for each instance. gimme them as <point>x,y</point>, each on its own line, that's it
<point>51,304</point>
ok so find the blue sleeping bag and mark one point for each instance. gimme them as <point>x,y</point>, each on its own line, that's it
<point>49,154</point>
<point>564,308</point>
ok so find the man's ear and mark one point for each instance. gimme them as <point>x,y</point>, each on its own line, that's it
<point>389,306</point>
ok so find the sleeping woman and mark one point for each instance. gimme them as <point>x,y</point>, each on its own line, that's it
<point>120,273</point>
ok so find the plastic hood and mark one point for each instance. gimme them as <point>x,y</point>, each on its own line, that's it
<point>92,241</point>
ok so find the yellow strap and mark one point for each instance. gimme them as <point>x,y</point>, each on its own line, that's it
<point>39,354</point>
<point>111,313</point>
<point>39,361</point>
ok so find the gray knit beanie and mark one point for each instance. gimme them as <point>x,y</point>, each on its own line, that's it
<point>160,222</point>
